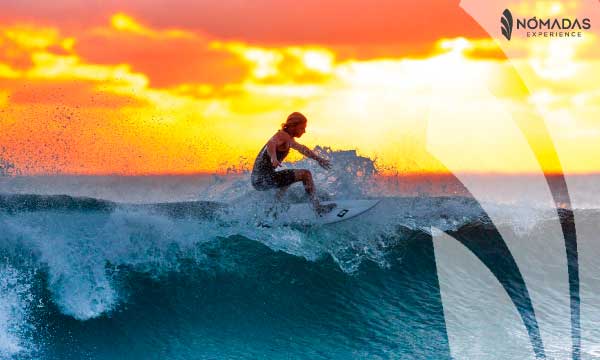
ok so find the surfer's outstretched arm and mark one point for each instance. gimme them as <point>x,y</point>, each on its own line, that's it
<point>302,149</point>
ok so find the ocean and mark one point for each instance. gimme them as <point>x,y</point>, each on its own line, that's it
<point>175,267</point>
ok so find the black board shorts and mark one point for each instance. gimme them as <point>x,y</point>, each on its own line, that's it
<point>267,180</point>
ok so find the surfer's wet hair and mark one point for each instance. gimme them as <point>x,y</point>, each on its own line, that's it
<point>293,119</point>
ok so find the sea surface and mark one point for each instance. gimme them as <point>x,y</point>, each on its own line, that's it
<point>176,267</point>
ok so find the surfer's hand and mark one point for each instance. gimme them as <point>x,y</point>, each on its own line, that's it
<point>275,163</point>
<point>325,164</point>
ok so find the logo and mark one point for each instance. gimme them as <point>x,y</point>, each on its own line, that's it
<point>506,24</point>
<point>564,27</point>
<point>342,213</point>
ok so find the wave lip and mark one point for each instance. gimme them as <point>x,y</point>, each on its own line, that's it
<point>16,203</point>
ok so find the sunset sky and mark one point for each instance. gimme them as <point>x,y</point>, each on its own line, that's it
<point>182,86</point>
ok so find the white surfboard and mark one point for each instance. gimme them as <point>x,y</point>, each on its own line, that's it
<point>304,214</point>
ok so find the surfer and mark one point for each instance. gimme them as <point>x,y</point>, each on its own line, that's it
<point>264,176</point>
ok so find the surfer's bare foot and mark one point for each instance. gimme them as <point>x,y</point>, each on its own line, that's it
<point>324,209</point>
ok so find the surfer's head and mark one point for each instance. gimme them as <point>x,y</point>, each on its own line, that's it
<point>295,125</point>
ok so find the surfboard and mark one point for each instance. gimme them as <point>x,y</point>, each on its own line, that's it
<point>303,214</point>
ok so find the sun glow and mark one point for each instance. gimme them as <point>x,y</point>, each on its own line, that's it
<point>94,96</point>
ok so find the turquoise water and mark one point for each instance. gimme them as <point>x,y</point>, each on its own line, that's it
<point>83,277</point>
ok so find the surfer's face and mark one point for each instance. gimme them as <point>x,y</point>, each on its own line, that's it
<point>298,130</point>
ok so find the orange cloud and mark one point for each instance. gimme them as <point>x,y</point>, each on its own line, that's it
<point>19,42</point>
<point>167,57</point>
<point>401,28</point>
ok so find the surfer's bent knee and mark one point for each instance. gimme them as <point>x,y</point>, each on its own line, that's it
<point>303,175</point>
<point>306,177</point>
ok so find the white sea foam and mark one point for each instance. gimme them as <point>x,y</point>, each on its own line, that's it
<point>15,302</point>
<point>80,250</point>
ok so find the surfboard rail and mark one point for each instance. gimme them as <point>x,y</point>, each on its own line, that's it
<point>303,213</point>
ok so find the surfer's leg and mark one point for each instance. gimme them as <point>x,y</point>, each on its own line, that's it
<point>280,192</point>
<point>309,185</point>
<point>282,180</point>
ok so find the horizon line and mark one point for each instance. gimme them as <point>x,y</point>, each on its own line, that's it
<point>226,173</point>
